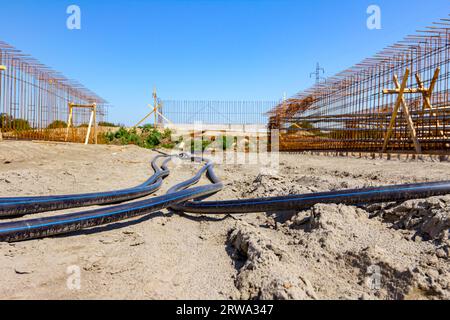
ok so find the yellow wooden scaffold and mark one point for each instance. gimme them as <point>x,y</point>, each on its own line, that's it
<point>2,68</point>
<point>92,120</point>
<point>401,90</point>
<point>156,111</point>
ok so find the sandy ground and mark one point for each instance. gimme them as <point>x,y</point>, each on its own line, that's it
<point>386,251</point>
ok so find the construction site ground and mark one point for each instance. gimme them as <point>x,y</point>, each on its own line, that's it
<point>381,251</point>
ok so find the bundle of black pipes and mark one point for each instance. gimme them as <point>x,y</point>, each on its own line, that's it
<point>29,205</point>
<point>182,197</point>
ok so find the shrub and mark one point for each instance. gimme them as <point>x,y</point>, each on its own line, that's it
<point>8,123</point>
<point>149,137</point>
<point>20,124</point>
<point>227,142</point>
<point>57,124</point>
<point>107,124</point>
<point>5,121</point>
<point>200,145</point>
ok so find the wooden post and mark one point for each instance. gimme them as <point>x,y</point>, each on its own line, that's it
<point>427,93</point>
<point>145,118</point>
<point>95,124</point>
<point>155,106</point>
<point>69,121</point>
<point>91,120</point>
<point>155,112</point>
<point>401,89</point>
<point>395,111</point>
<point>409,120</point>
<point>2,68</point>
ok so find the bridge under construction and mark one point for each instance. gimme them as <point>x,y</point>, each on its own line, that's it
<point>394,102</point>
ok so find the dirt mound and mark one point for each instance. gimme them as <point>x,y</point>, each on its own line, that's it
<point>387,278</point>
<point>268,272</point>
<point>288,181</point>
<point>430,218</point>
<point>270,185</point>
<point>380,262</point>
<point>390,278</point>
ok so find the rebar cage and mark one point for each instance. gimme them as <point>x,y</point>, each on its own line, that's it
<point>350,112</point>
<point>34,100</point>
<point>217,112</point>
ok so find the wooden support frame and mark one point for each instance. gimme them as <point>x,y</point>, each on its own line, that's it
<point>92,120</point>
<point>2,68</point>
<point>427,93</point>
<point>401,90</point>
<point>156,107</point>
<point>400,102</point>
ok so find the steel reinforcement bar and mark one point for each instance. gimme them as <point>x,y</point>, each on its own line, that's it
<point>352,111</point>
<point>34,100</point>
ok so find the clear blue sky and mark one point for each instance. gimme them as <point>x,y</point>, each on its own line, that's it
<point>229,49</point>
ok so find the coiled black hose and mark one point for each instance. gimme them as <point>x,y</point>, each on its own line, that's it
<point>49,226</point>
<point>179,196</point>
<point>395,193</point>
<point>29,205</point>
<point>208,168</point>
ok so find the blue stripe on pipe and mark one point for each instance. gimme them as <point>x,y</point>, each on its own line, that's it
<point>91,217</point>
<point>105,194</point>
<point>205,204</point>
<point>75,197</point>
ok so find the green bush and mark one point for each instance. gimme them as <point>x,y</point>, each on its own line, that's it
<point>200,145</point>
<point>107,124</point>
<point>20,124</point>
<point>149,137</point>
<point>57,124</point>
<point>5,121</point>
<point>227,142</point>
<point>8,123</point>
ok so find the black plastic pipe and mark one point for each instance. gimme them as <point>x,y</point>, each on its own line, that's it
<point>49,226</point>
<point>29,205</point>
<point>395,193</point>
<point>178,198</point>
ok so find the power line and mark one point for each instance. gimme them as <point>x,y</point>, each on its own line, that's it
<point>317,73</point>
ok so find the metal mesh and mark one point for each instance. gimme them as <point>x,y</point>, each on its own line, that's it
<point>349,112</point>
<point>34,100</point>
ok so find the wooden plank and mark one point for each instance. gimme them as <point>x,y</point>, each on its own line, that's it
<point>145,118</point>
<point>395,112</point>
<point>69,122</point>
<point>412,90</point>
<point>427,93</point>
<point>95,124</point>
<point>412,129</point>
<point>159,113</point>
<point>2,68</point>
<point>92,120</point>
<point>88,134</point>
